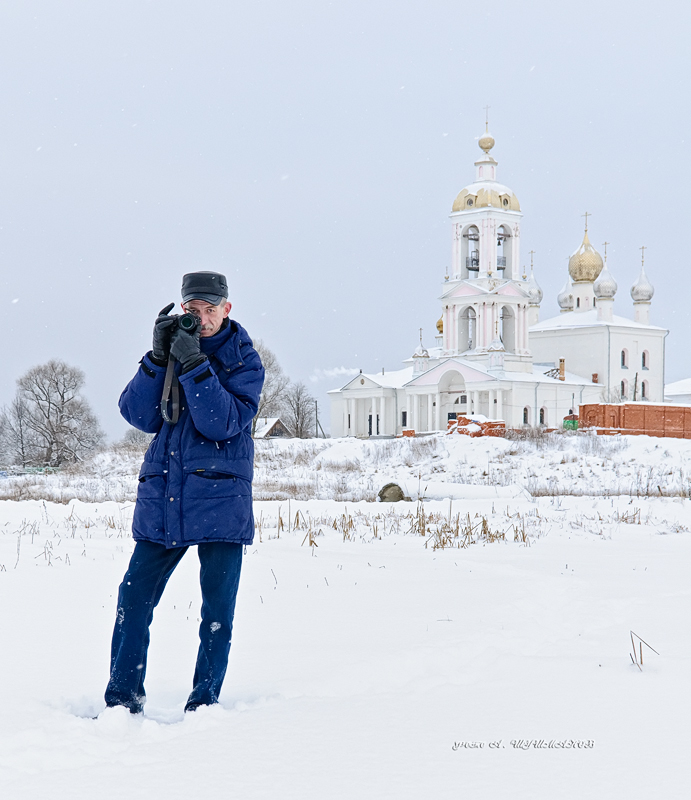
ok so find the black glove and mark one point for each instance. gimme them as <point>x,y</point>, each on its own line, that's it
<point>184,347</point>
<point>163,330</point>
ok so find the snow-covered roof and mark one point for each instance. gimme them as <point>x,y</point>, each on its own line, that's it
<point>472,372</point>
<point>678,387</point>
<point>488,185</point>
<point>265,426</point>
<point>588,319</point>
<point>538,376</point>
<point>395,379</point>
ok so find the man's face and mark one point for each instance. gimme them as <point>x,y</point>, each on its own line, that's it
<point>211,316</point>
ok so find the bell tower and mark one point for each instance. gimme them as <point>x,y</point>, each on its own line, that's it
<point>485,301</point>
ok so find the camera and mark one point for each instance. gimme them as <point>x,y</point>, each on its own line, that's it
<point>186,322</point>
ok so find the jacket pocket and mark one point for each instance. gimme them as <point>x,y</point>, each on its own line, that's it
<point>152,482</point>
<point>148,520</point>
<point>207,484</point>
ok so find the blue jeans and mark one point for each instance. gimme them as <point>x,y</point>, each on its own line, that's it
<point>150,568</point>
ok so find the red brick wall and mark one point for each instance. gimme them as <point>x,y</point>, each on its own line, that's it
<point>637,419</point>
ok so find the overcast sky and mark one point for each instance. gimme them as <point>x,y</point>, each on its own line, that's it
<point>312,151</point>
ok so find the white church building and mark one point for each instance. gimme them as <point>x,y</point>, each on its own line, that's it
<point>493,355</point>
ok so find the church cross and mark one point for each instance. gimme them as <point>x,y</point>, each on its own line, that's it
<point>531,254</point>
<point>642,249</point>
<point>420,337</point>
<point>586,215</point>
<point>604,244</point>
<point>487,108</point>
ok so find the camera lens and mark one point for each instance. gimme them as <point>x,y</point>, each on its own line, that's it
<point>188,322</point>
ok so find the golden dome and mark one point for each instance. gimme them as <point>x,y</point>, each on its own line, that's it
<point>481,195</point>
<point>440,324</point>
<point>486,141</point>
<point>586,263</point>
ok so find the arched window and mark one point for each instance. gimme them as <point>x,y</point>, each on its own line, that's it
<point>466,330</point>
<point>624,359</point>
<point>526,416</point>
<point>578,302</point>
<point>543,416</point>
<point>645,358</point>
<point>644,390</point>
<point>470,253</point>
<point>624,389</point>
<point>504,249</point>
<point>507,328</point>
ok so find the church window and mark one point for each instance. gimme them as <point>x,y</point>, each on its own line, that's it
<point>644,390</point>
<point>469,201</point>
<point>466,330</point>
<point>505,201</point>
<point>644,360</point>
<point>526,416</point>
<point>464,399</point>
<point>624,359</point>
<point>348,421</point>
<point>624,390</point>
<point>507,328</point>
<point>404,419</point>
<point>578,302</point>
<point>543,416</point>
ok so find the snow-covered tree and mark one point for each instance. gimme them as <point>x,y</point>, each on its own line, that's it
<point>276,382</point>
<point>299,411</point>
<point>49,423</point>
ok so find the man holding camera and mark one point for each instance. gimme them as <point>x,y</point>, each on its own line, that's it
<point>203,377</point>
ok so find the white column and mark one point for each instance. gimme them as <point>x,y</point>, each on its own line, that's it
<point>492,395</point>
<point>476,402</point>
<point>437,415</point>
<point>383,427</point>
<point>524,328</point>
<point>500,404</point>
<point>430,412</point>
<point>415,411</point>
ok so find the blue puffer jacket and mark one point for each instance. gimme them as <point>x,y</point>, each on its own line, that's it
<point>195,484</point>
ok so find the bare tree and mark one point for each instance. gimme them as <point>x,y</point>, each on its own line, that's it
<point>49,423</point>
<point>136,440</point>
<point>299,411</point>
<point>271,401</point>
<point>15,437</point>
<point>611,395</point>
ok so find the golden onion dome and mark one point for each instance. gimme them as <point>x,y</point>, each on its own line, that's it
<point>486,141</point>
<point>440,324</point>
<point>586,263</point>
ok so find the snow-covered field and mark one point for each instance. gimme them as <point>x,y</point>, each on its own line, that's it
<point>352,470</point>
<point>367,660</point>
